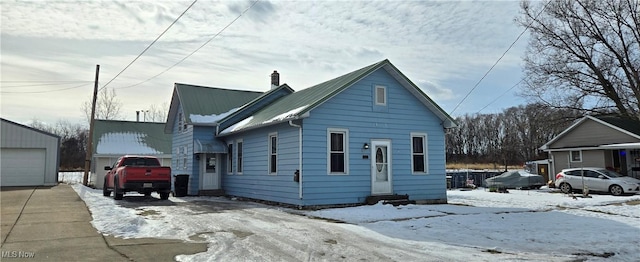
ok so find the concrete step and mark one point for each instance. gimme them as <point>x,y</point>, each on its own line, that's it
<point>372,200</point>
<point>399,202</point>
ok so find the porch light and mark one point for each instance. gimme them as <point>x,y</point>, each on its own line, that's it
<point>365,146</point>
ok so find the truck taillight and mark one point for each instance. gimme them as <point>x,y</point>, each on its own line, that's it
<point>124,173</point>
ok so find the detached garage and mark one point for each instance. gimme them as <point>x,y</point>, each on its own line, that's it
<point>28,156</point>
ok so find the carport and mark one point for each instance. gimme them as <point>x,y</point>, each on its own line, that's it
<point>28,156</point>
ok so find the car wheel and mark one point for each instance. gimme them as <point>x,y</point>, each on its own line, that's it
<point>117,194</point>
<point>105,190</point>
<point>565,188</point>
<point>164,196</point>
<point>616,190</point>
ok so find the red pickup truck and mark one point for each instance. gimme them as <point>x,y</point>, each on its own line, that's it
<point>142,174</point>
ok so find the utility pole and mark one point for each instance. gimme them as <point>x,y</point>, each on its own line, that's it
<point>87,159</point>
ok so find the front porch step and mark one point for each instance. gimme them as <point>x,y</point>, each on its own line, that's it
<point>211,192</point>
<point>399,202</point>
<point>372,200</point>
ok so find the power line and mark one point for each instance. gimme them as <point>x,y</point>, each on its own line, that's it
<point>48,91</point>
<point>154,41</point>
<point>197,49</point>
<point>505,92</point>
<point>503,54</point>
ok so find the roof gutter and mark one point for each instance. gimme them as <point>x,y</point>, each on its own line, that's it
<point>299,173</point>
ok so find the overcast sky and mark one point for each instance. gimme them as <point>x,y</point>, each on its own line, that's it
<point>444,47</point>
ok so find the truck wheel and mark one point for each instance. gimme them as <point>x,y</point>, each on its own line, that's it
<point>105,190</point>
<point>117,194</point>
<point>164,196</point>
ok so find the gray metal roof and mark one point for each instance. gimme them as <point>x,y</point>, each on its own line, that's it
<point>111,137</point>
<point>297,104</point>
<point>628,124</point>
<point>200,100</point>
<point>206,101</point>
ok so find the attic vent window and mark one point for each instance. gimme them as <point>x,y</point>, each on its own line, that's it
<point>381,96</point>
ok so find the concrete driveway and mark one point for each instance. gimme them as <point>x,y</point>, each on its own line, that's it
<point>54,224</point>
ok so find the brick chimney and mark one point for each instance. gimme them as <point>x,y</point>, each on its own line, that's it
<point>275,79</point>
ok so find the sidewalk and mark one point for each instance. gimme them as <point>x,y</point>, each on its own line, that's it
<point>54,224</point>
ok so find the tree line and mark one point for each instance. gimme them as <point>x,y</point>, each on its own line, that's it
<point>511,137</point>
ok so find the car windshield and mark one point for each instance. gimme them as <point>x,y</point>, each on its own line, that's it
<point>610,173</point>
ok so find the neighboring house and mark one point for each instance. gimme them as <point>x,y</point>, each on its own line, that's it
<point>370,132</point>
<point>29,157</point>
<point>601,141</point>
<point>113,139</point>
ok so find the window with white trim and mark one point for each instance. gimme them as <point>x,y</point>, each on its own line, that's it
<point>381,96</point>
<point>239,156</point>
<point>177,157</point>
<point>184,157</point>
<point>576,156</point>
<point>337,151</point>
<point>273,153</point>
<point>230,158</point>
<point>419,153</point>
<point>180,120</point>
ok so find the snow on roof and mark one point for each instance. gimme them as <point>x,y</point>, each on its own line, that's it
<point>237,126</point>
<point>247,121</point>
<point>285,115</point>
<point>195,118</point>
<point>124,143</point>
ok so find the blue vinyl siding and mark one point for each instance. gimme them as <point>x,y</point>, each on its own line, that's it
<point>354,109</point>
<point>186,139</point>
<point>179,140</point>
<point>255,180</point>
<point>205,134</point>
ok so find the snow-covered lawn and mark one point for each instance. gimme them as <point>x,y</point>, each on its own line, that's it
<point>478,225</point>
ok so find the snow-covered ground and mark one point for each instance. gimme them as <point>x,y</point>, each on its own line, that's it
<point>537,225</point>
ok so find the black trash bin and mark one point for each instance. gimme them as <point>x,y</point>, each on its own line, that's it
<point>180,184</point>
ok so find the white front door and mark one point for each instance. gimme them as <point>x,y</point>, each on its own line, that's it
<point>210,171</point>
<point>381,167</point>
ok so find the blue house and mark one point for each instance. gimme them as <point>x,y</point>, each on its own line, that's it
<point>371,132</point>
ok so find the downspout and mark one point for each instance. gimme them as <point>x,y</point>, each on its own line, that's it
<point>552,165</point>
<point>299,156</point>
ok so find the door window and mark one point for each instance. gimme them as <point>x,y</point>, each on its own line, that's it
<point>211,163</point>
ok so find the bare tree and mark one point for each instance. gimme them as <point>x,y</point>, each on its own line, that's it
<point>158,113</point>
<point>107,105</point>
<point>584,54</point>
<point>73,141</point>
<point>507,138</point>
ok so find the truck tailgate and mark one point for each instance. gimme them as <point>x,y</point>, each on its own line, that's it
<point>145,173</point>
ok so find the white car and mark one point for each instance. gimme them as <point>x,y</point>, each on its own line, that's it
<point>596,179</point>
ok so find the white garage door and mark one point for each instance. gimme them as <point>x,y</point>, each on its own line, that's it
<point>22,166</point>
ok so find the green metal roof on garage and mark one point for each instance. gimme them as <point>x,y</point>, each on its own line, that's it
<point>112,137</point>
